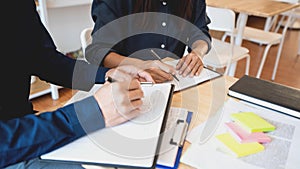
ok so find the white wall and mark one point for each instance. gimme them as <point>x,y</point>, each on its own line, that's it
<point>66,19</point>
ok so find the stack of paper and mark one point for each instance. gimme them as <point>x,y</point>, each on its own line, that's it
<point>282,152</point>
<point>246,133</point>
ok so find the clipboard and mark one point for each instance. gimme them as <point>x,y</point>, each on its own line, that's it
<point>175,139</point>
<point>184,83</point>
<point>139,139</point>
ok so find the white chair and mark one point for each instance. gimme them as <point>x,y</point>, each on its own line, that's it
<point>266,38</point>
<point>295,14</point>
<point>85,39</point>
<point>222,53</point>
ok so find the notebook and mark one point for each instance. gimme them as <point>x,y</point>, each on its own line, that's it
<point>268,94</point>
<point>134,144</point>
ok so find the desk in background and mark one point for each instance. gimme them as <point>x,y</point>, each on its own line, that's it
<point>260,8</point>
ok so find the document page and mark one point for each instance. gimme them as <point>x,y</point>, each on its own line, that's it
<point>185,82</point>
<point>133,143</point>
<point>281,153</point>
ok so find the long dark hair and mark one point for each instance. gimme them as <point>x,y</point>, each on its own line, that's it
<point>181,8</point>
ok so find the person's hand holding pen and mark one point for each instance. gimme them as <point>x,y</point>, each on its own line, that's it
<point>120,98</point>
<point>130,72</point>
<point>160,71</point>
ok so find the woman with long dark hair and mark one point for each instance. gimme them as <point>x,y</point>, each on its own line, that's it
<point>126,30</point>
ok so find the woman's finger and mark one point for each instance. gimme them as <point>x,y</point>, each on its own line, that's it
<point>185,64</point>
<point>180,63</point>
<point>199,70</point>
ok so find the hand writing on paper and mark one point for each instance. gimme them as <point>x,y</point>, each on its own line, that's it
<point>126,72</point>
<point>123,98</point>
<point>122,101</point>
<point>159,71</point>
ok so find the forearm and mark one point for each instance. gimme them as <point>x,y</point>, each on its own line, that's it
<point>30,136</point>
<point>113,60</point>
<point>200,47</point>
<point>56,68</point>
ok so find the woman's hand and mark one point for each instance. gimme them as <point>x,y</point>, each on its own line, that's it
<point>128,72</point>
<point>159,71</point>
<point>191,65</point>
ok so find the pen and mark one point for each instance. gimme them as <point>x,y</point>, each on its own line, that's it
<point>156,55</point>
<point>111,80</point>
<point>146,83</point>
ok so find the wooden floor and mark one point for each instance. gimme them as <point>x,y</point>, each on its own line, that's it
<point>287,73</point>
<point>289,64</point>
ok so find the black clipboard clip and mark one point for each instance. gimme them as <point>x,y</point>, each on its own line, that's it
<point>179,133</point>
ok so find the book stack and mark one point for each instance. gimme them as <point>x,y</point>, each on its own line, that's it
<point>246,134</point>
<point>278,97</point>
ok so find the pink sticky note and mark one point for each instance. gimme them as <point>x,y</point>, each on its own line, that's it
<point>245,137</point>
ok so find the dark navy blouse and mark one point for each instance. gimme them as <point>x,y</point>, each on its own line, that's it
<point>119,29</point>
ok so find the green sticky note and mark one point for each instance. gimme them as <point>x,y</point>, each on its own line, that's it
<point>252,122</point>
<point>239,149</point>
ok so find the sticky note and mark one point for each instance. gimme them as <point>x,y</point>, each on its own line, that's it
<point>239,149</point>
<point>242,136</point>
<point>251,122</point>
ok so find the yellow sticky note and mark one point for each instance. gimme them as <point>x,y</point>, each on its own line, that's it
<point>252,122</point>
<point>239,149</point>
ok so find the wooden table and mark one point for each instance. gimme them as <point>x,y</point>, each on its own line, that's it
<point>260,8</point>
<point>203,100</point>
